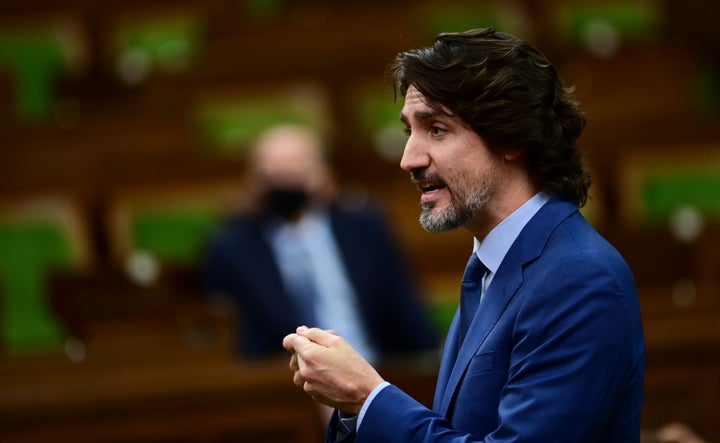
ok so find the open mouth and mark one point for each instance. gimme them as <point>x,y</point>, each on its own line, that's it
<point>430,186</point>
<point>428,182</point>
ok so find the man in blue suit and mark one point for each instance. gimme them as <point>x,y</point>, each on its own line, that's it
<point>547,345</point>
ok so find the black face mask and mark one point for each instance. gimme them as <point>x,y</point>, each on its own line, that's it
<point>286,202</point>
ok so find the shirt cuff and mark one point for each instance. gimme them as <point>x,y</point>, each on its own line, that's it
<point>369,400</point>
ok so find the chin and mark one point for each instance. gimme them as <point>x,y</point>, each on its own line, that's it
<point>434,219</point>
<point>436,222</point>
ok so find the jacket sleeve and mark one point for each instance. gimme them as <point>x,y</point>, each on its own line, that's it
<point>396,417</point>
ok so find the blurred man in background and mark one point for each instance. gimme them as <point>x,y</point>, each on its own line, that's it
<point>298,256</point>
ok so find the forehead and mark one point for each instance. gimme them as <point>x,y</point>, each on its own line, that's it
<point>413,97</point>
<point>417,107</point>
<point>287,150</point>
<point>413,100</point>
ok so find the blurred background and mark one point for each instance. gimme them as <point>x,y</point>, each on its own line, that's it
<point>123,128</point>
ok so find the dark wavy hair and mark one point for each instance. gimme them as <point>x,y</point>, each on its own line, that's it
<point>510,94</point>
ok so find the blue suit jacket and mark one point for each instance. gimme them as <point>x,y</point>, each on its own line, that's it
<point>239,262</point>
<point>555,353</point>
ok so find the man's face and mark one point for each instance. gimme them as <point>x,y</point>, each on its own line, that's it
<point>288,158</point>
<point>451,165</point>
<point>287,172</point>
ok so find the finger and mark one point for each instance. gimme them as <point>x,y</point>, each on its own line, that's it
<point>319,336</point>
<point>309,388</point>
<point>298,380</point>
<point>298,372</point>
<point>294,366</point>
<point>303,347</point>
<point>288,342</point>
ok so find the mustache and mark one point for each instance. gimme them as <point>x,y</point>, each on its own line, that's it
<point>417,175</point>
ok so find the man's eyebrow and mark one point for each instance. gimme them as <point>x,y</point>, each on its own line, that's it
<point>426,115</point>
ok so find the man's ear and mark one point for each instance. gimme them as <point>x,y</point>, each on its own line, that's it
<point>512,154</point>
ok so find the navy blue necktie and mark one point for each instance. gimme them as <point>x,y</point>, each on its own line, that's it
<point>470,294</point>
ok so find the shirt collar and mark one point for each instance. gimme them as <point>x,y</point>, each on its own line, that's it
<point>493,248</point>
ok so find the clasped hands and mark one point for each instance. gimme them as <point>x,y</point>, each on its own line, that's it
<point>328,369</point>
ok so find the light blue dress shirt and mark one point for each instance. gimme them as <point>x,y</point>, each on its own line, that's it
<point>310,244</point>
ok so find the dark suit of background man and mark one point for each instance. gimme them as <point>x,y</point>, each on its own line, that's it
<point>554,353</point>
<point>296,256</point>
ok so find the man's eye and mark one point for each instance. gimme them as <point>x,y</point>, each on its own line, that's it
<point>406,131</point>
<point>435,130</point>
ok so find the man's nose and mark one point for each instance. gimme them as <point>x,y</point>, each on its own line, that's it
<point>414,155</point>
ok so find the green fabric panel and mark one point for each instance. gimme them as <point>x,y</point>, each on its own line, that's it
<point>28,323</point>
<point>28,251</point>
<point>662,194</point>
<point>636,22</point>
<point>36,60</point>
<point>379,111</point>
<point>708,90</point>
<point>175,237</point>
<point>231,129</point>
<point>171,39</point>
<point>442,313</point>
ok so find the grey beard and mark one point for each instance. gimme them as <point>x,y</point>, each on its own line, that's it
<point>451,218</point>
<point>456,215</point>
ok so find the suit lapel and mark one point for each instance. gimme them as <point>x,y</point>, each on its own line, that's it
<point>449,355</point>
<point>498,295</point>
<point>527,247</point>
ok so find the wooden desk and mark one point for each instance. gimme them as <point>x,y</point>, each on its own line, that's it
<point>682,376</point>
<point>193,399</point>
<point>166,395</point>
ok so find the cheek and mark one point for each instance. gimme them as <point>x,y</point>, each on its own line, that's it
<point>460,183</point>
